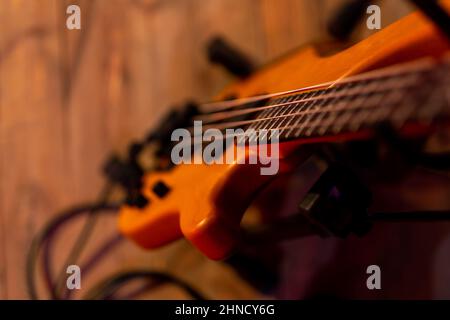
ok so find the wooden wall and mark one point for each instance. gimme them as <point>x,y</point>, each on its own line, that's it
<point>68,98</point>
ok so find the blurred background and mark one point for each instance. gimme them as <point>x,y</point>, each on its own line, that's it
<point>68,98</point>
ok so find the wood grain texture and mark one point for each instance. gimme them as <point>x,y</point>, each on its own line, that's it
<point>67,98</point>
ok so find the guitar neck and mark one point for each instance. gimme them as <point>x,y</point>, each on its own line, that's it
<point>411,93</point>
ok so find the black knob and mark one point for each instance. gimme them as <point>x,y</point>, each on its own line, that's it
<point>347,18</point>
<point>161,189</point>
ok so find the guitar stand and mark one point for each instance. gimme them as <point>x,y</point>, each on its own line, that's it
<point>337,205</point>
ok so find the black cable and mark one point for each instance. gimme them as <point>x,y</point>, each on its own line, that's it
<point>108,287</point>
<point>438,161</point>
<point>96,258</point>
<point>297,226</point>
<point>81,241</point>
<point>125,173</point>
<point>419,216</point>
<point>49,229</point>
<point>112,284</point>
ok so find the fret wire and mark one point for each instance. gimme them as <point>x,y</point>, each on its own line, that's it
<point>289,113</point>
<point>358,118</point>
<point>382,113</point>
<point>367,107</point>
<point>290,110</point>
<point>304,106</point>
<point>342,118</point>
<point>262,115</point>
<point>339,114</point>
<point>357,101</point>
<point>406,106</point>
<point>284,113</point>
<point>270,118</point>
<point>405,110</point>
<point>211,118</point>
<point>281,110</point>
<point>322,105</point>
<point>266,114</point>
<point>287,121</point>
<point>394,99</point>
<point>424,93</point>
<point>268,124</point>
<point>389,99</point>
<point>320,117</point>
<point>269,115</point>
<point>359,89</point>
<point>303,122</point>
<point>329,117</point>
<point>371,100</point>
<point>347,103</point>
<point>424,64</point>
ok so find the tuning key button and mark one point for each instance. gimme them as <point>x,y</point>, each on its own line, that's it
<point>161,189</point>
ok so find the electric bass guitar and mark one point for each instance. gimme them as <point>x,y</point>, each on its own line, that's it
<point>399,76</point>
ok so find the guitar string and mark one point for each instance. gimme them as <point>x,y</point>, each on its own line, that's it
<point>421,64</point>
<point>327,125</point>
<point>393,99</point>
<point>402,83</point>
<point>223,115</point>
<point>325,98</point>
<point>396,96</point>
<point>304,125</point>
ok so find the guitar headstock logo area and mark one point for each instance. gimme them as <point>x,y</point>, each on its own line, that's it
<point>224,158</point>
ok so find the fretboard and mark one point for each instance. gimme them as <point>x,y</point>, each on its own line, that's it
<point>418,93</point>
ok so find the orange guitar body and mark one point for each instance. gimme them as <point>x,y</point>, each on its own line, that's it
<point>206,203</point>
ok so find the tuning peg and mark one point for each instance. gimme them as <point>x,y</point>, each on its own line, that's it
<point>351,13</point>
<point>175,118</point>
<point>346,18</point>
<point>234,61</point>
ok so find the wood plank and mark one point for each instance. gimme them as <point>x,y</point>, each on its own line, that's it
<point>67,98</point>
<point>31,135</point>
